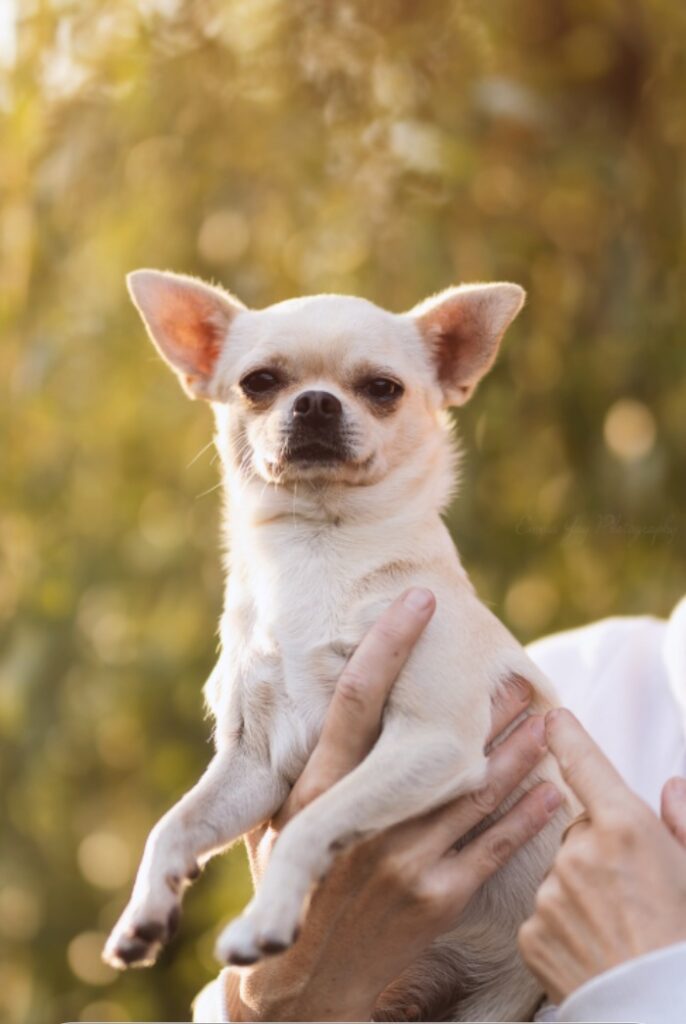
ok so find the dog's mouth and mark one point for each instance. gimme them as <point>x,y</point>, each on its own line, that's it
<point>315,452</point>
<point>318,460</point>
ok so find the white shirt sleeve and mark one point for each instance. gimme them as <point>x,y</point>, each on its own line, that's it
<point>209,1006</point>
<point>650,989</point>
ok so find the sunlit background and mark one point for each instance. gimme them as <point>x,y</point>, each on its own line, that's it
<point>286,146</point>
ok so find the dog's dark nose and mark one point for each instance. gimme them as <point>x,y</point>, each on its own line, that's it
<point>313,407</point>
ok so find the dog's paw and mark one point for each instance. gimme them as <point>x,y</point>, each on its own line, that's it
<point>253,936</point>
<point>140,934</point>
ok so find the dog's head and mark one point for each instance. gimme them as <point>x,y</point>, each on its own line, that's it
<point>327,388</point>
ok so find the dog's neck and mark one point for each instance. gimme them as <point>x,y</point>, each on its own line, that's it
<point>321,527</point>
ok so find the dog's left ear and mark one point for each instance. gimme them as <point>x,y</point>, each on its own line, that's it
<point>462,328</point>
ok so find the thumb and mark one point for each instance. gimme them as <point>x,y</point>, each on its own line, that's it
<point>353,720</point>
<point>354,717</point>
<point>673,807</point>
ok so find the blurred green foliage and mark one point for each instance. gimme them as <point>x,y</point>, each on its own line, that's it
<point>287,146</point>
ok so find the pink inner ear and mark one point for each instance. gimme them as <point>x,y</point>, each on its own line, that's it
<point>187,321</point>
<point>463,327</point>
<point>190,326</point>
<point>459,343</point>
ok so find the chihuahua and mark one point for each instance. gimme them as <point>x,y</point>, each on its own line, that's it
<point>338,459</point>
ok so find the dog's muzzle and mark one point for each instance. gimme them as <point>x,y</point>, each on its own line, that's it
<point>316,433</point>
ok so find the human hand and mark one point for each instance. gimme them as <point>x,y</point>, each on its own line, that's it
<point>387,898</point>
<point>617,888</point>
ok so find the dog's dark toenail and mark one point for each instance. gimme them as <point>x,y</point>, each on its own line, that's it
<point>272,946</point>
<point>174,883</point>
<point>173,922</point>
<point>241,959</point>
<point>193,873</point>
<point>151,932</point>
<point>133,951</point>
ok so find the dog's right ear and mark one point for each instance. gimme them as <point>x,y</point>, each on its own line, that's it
<point>187,320</point>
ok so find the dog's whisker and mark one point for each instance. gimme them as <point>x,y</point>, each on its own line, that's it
<point>245,460</point>
<point>209,490</point>
<point>295,494</point>
<point>201,452</point>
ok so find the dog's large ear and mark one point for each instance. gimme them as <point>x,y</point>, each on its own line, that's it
<point>462,328</point>
<point>188,322</point>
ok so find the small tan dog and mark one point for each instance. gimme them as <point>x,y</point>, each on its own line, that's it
<point>338,460</point>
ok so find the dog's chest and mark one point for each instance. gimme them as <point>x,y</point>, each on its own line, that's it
<point>279,665</point>
<point>294,613</point>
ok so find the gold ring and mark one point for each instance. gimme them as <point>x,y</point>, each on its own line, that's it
<point>584,816</point>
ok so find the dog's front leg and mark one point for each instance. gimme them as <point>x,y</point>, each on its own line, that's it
<point>410,771</point>
<point>234,795</point>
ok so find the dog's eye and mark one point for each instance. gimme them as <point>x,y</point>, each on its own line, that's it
<point>260,382</point>
<point>381,389</point>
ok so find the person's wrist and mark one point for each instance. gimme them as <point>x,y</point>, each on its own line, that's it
<point>259,994</point>
<point>264,993</point>
<point>304,1007</point>
<point>268,993</point>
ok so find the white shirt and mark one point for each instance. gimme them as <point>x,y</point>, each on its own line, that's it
<point>625,679</point>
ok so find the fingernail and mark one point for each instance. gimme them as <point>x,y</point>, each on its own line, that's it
<point>537,728</point>
<point>552,800</point>
<point>522,686</point>
<point>676,786</point>
<point>418,599</point>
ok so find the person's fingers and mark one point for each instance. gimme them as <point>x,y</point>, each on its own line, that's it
<point>584,767</point>
<point>508,703</point>
<point>673,807</point>
<point>353,719</point>
<point>508,766</point>
<point>466,871</point>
